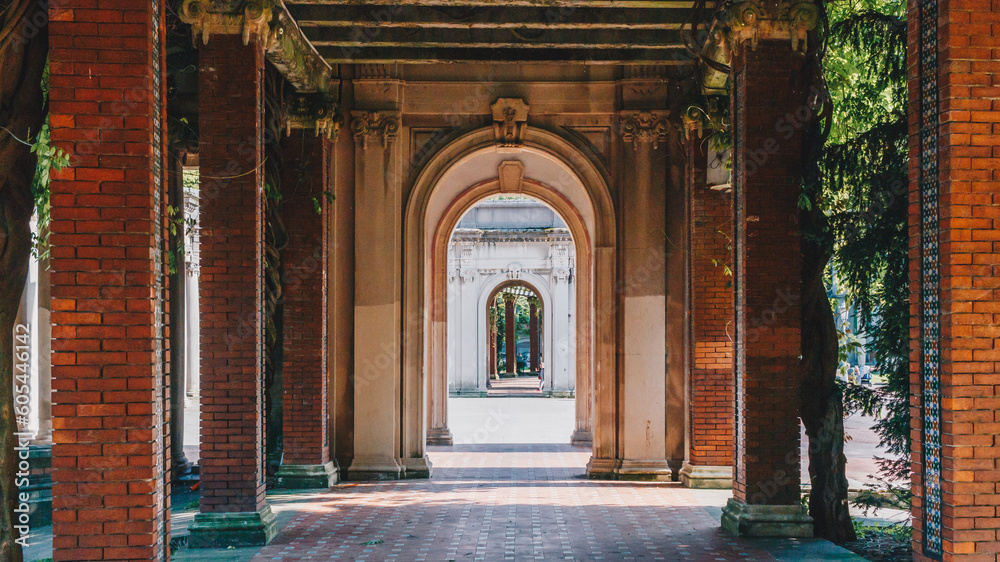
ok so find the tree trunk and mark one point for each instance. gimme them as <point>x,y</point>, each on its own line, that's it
<point>822,402</point>
<point>22,62</point>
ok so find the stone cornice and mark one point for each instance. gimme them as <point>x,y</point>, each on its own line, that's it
<point>269,21</point>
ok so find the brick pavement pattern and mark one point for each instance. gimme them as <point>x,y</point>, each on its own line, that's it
<point>506,502</point>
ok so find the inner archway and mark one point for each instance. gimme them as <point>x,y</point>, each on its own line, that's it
<point>467,170</point>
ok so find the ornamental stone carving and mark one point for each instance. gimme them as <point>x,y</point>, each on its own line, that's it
<point>313,111</point>
<point>793,19</point>
<point>510,122</point>
<point>644,127</point>
<point>204,22</point>
<point>382,125</point>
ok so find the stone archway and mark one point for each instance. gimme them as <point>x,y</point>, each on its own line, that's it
<point>469,169</point>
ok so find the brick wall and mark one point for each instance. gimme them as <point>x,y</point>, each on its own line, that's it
<point>231,153</point>
<point>768,269</point>
<point>966,124</point>
<point>711,400</point>
<point>305,412</point>
<point>106,285</point>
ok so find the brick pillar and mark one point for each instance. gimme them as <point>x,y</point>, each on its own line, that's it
<point>711,384</point>
<point>306,459</point>
<point>954,278</point>
<point>492,345</point>
<point>533,334</point>
<point>107,112</point>
<point>233,509</point>
<point>767,273</point>
<point>510,336</point>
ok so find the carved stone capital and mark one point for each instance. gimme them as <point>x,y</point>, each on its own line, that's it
<point>383,125</point>
<point>510,122</point>
<point>253,21</point>
<point>746,20</point>
<point>644,127</point>
<point>313,111</point>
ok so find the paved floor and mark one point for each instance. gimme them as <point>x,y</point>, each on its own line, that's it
<point>516,502</point>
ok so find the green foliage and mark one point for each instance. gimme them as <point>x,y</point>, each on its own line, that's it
<point>50,158</point>
<point>864,169</point>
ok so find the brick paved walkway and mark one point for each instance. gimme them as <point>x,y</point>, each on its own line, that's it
<point>506,502</point>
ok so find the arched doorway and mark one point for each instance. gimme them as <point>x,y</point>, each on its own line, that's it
<point>469,169</point>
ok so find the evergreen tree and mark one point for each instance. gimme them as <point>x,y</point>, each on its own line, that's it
<point>864,172</point>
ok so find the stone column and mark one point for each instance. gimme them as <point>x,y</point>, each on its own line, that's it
<point>177,284</point>
<point>192,314</point>
<point>643,296</point>
<point>107,263</point>
<point>954,224</point>
<point>533,335</point>
<point>709,462</point>
<point>305,461</point>
<point>564,353</point>
<point>233,511</point>
<point>378,280</point>
<point>468,354</point>
<point>768,269</point>
<point>44,351</point>
<point>510,337</point>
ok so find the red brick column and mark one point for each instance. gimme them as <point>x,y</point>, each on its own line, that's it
<point>533,335</point>
<point>768,269</point>
<point>107,111</point>
<point>955,278</point>
<point>306,449</point>
<point>711,385</point>
<point>233,510</point>
<point>510,338</point>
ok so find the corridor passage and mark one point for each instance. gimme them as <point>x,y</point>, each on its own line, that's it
<point>507,502</point>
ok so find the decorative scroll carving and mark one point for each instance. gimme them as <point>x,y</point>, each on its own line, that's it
<point>313,111</point>
<point>510,122</point>
<point>793,20</point>
<point>644,127</point>
<point>374,124</point>
<point>204,22</point>
<point>514,271</point>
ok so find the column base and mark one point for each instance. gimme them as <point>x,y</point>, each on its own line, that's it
<point>582,438</point>
<point>603,469</point>
<point>375,469</point>
<point>707,477</point>
<point>415,468</point>
<point>783,521</point>
<point>222,530</point>
<point>440,436</point>
<point>306,476</point>
<point>651,470</point>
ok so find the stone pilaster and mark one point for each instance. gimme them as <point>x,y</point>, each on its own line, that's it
<point>378,247</point>
<point>643,298</point>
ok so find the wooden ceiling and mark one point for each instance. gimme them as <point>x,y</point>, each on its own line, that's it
<point>416,31</point>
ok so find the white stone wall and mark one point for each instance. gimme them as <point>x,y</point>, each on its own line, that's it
<point>481,260</point>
